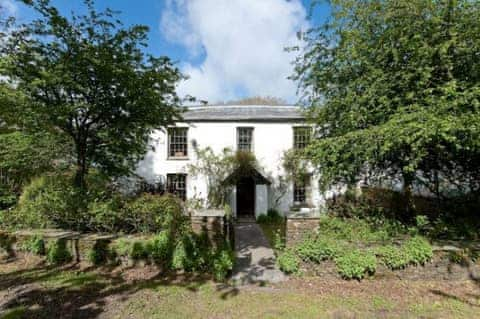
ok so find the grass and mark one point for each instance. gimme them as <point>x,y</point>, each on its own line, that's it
<point>51,292</point>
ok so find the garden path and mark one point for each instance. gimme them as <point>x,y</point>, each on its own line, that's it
<point>255,259</point>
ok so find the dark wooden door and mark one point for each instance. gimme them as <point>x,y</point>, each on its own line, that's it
<point>246,198</point>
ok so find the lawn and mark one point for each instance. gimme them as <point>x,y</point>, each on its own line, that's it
<point>29,289</point>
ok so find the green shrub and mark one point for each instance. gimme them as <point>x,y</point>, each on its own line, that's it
<point>393,257</point>
<point>34,245</point>
<point>418,250</point>
<point>42,203</point>
<point>356,264</point>
<point>271,217</point>
<point>160,247</point>
<point>122,247</point>
<point>179,257</point>
<point>106,215</point>
<point>223,263</point>
<point>288,262</point>
<point>53,201</point>
<point>57,252</point>
<point>368,230</point>
<point>152,213</point>
<point>138,250</point>
<point>263,219</point>
<point>318,249</point>
<point>100,253</point>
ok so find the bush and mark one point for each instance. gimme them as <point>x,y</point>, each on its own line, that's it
<point>152,213</point>
<point>57,252</point>
<point>272,217</point>
<point>393,257</point>
<point>105,215</point>
<point>100,253</point>
<point>288,262</point>
<point>160,247</point>
<point>356,264</point>
<point>223,263</point>
<point>138,250</point>
<point>53,201</point>
<point>418,250</point>
<point>318,249</point>
<point>354,229</point>
<point>34,245</point>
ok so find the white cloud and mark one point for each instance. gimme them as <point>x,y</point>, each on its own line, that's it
<point>243,43</point>
<point>8,8</point>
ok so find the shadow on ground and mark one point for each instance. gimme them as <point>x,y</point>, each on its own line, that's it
<point>74,292</point>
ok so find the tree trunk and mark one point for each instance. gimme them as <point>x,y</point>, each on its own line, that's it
<point>408,179</point>
<point>82,169</point>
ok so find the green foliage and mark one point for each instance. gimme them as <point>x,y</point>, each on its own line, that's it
<point>359,230</point>
<point>318,249</point>
<point>394,90</point>
<point>52,201</point>
<point>160,247</point>
<point>223,262</point>
<point>100,253</point>
<point>57,252</point>
<point>97,85</point>
<point>393,257</point>
<point>186,251</point>
<point>152,213</point>
<point>271,217</point>
<point>418,250</point>
<point>24,156</point>
<point>288,262</point>
<point>34,245</point>
<point>356,264</point>
<point>138,250</point>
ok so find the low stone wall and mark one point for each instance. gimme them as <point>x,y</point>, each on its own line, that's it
<point>298,226</point>
<point>213,223</point>
<point>78,244</point>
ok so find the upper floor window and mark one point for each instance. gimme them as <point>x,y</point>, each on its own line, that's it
<point>177,142</point>
<point>244,138</point>
<point>177,185</point>
<point>301,191</point>
<point>301,137</point>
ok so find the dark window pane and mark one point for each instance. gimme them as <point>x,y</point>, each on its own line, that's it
<point>177,185</point>
<point>300,190</point>
<point>177,142</point>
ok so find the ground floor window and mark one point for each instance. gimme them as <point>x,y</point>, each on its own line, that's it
<point>301,190</point>
<point>177,185</point>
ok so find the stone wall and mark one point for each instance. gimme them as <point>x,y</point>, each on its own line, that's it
<point>213,223</point>
<point>298,226</point>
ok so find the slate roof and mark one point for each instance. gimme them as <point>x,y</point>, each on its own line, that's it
<point>227,113</point>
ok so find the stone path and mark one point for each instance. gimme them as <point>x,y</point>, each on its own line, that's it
<point>255,260</point>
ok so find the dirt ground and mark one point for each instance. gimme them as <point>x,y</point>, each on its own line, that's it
<point>31,289</point>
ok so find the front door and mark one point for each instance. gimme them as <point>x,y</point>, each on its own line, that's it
<point>246,197</point>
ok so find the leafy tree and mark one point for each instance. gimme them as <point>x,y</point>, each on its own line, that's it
<point>87,76</point>
<point>394,89</point>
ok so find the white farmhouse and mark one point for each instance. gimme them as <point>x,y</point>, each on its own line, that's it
<point>266,131</point>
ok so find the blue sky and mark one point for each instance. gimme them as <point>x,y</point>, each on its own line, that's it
<point>230,48</point>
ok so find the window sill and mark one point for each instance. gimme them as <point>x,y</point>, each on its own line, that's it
<point>301,206</point>
<point>178,158</point>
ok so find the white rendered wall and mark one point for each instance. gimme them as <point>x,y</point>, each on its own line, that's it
<point>270,141</point>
